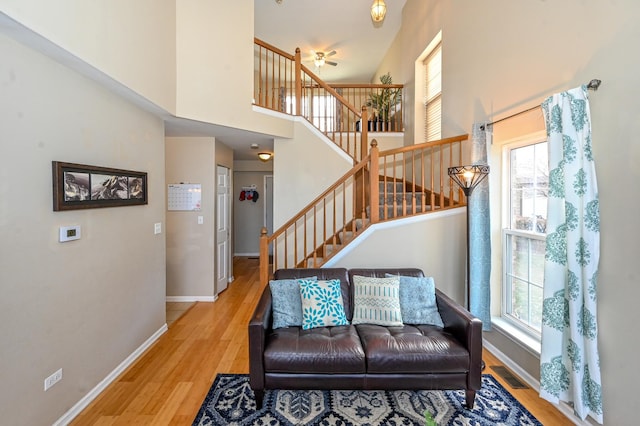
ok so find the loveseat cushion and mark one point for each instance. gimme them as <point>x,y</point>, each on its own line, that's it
<point>332,350</point>
<point>412,349</point>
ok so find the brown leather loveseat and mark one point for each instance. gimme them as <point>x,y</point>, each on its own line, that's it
<point>364,356</point>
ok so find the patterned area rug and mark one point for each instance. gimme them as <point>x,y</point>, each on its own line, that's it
<point>230,402</point>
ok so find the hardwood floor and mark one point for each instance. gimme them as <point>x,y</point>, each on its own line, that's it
<point>168,383</point>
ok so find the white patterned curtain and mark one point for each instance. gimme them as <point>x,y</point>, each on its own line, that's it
<point>569,360</point>
<point>480,235</point>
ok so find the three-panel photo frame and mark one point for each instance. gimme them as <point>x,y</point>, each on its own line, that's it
<point>78,186</point>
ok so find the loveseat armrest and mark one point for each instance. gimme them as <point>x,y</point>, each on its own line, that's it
<point>259,327</point>
<point>467,329</point>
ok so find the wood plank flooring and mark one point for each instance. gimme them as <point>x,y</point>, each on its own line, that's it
<point>168,383</point>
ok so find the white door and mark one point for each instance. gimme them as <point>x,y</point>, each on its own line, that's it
<point>223,207</point>
<point>268,207</point>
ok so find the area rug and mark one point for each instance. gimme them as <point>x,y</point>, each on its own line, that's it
<point>230,401</point>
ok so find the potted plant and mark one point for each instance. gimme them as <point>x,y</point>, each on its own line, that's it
<point>383,101</point>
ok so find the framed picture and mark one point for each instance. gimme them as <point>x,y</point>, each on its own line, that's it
<point>77,186</point>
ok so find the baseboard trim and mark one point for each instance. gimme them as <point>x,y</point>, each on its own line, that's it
<point>563,407</point>
<point>191,298</point>
<point>93,393</point>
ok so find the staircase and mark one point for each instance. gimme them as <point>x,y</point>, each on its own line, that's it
<point>407,181</point>
<point>381,186</point>
<point>396,200</point>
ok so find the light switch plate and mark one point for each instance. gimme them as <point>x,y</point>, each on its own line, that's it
<point>200,220</point>
<point>157,228</point>
<point>69,233</point>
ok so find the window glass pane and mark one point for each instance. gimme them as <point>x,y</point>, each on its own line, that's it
<point>520,257</point>
<point>537,262</point>
<point>524,249</point>
<point>536,308</point>
<point>520,296</point>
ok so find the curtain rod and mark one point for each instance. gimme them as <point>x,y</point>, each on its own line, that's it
<point>592,85</point>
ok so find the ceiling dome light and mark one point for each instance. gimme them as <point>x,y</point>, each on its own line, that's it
<point>378,10</point>
<point>265,156</point>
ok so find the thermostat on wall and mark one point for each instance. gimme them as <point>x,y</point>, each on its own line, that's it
<point>69,233</point>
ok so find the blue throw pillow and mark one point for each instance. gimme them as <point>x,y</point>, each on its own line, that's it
<point>286,304</point>
<point>418,301</point>
<point>322,304</point>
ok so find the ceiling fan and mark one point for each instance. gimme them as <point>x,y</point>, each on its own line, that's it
<point>320,58</point>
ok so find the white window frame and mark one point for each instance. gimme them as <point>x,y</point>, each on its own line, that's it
<point>515,327</point>
<point>420,98</point>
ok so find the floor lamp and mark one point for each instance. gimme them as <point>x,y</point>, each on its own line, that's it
<point>468,177</point>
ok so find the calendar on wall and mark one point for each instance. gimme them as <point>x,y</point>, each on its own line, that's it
<point>184,196</point>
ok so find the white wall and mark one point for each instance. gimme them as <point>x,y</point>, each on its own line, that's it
<point>425,242</point>
<point>86,305</point>
<point>190,246</point>
<point>132,42</point>
<point>501,57</point>
<point>298,175</point>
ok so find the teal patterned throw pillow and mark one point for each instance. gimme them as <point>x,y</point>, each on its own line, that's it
<point>285,302</point>
<point>376,301</point>
<point>418,300</point>
<point>321,304</point>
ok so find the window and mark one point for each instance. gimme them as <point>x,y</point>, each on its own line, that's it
<point>321,110</point>
<point>433,94</point>
<point>524,234</point>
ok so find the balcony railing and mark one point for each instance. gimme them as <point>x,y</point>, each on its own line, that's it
<point>282,83</point>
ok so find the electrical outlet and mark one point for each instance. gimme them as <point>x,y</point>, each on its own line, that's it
<point>53,379</point>
<point>157,228</point>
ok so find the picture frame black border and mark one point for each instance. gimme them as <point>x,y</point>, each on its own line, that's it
<point>59,168</point>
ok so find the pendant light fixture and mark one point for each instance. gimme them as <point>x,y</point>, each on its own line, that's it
<point>378,10</point>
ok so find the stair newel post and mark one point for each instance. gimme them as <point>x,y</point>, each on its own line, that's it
<point>374,188</point>
<point>298,61</point>
<point>264,256</point>
<point>364,129</point>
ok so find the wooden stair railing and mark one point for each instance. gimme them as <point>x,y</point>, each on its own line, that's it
<point>330,112</point>
<point>360,198</point>
<point>415,180</point>
<point>282,83</point>
<point>320,224</point>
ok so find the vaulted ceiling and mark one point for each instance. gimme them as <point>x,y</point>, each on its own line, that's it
<point>341,25</point>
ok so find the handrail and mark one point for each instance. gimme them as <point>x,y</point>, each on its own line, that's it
<point>332,114</point>
<point>344,177</point>
<point>445,141</point>
<point>347,200</point>
<point>273,48</point>
<point>330,89</point>
<point>419,184</point>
